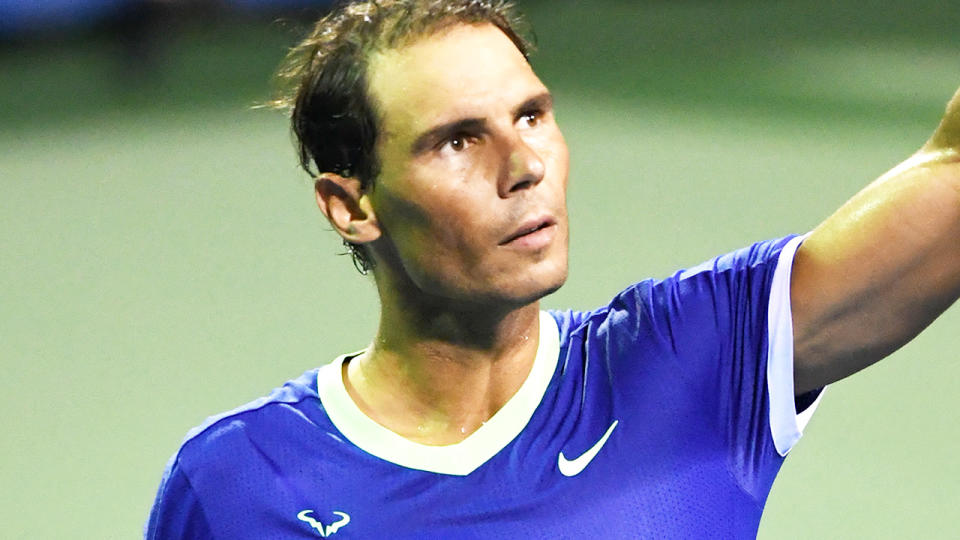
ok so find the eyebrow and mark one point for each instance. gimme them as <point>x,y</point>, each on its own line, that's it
<point>543,101</point>
<point>443,131</point>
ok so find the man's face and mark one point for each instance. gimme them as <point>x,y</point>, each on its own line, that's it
<point>471,200</point>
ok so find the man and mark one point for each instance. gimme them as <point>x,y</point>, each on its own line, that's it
<point>472,413</point>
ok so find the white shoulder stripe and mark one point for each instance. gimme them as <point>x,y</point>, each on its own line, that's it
<point>785,424</point>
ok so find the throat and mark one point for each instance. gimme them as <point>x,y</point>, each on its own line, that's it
<point>443,432</point>
<point>437,393</point>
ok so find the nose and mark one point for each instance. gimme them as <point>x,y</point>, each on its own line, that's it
<point>524,168</point>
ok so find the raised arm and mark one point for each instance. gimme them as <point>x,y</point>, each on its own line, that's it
<point>883,267</point>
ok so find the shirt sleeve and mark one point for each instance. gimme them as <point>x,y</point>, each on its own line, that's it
<point>177,513</point>
<point>725,326</point>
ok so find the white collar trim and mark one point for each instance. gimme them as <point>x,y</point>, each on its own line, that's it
<point>456,459</point>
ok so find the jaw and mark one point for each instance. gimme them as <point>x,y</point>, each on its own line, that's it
<point>500,276</point>
<point>445,297</point>
<point>492,288</point>
<point>505,292</point>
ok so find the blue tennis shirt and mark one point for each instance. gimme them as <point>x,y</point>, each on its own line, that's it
<point>665,414</point>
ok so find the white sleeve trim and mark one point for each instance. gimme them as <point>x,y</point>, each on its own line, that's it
<point>785,424</point>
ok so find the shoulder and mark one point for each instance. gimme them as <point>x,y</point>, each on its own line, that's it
<point>759,254</point>
<point>223,460</point>
<point>697,291</point>
<point>220,437</point>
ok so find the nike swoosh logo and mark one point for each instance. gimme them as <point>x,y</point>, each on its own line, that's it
<point>576,466</point>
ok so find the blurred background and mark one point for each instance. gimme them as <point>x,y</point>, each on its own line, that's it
<point>162,259</point>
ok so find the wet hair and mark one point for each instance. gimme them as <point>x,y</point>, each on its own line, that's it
<point>323,80</point>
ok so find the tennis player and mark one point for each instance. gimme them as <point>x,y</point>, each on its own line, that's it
<point>473,413</point>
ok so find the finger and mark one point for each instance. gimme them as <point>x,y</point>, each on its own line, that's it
<point>947,135</point>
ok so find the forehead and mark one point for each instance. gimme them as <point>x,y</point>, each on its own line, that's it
<point>462,71</point>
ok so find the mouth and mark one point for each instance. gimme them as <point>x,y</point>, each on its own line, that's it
<point>530,229</point>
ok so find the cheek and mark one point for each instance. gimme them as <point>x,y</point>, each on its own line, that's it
<point>432,233</point>
<point>552,148</point>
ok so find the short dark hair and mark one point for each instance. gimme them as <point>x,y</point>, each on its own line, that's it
<point>323,80</point>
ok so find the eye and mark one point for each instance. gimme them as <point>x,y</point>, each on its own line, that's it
<point>459,142</point>
<point>531,118</point>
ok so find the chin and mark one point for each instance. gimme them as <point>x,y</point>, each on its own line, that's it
<point>533,288</point>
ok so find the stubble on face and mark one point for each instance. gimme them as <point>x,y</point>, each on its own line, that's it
<point>471,155</point>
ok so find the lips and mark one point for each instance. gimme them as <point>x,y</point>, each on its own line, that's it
<point>529,227</point>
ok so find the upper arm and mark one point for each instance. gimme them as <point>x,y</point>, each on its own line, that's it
<point>881,268</point>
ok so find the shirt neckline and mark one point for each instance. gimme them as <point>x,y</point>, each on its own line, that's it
<point>460,458</point>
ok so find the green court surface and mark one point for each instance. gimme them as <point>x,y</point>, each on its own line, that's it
<point>162,259</point>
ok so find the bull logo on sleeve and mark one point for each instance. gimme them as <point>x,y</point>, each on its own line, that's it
<point>325,531</point>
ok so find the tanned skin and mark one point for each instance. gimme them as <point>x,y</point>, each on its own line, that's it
<point>883,267</point>
<point>472,160</point>
<point>471,156</point>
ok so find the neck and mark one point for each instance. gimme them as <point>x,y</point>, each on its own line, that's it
<point>436,375</point>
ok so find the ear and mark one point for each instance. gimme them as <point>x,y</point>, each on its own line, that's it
<point>347,208</point>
